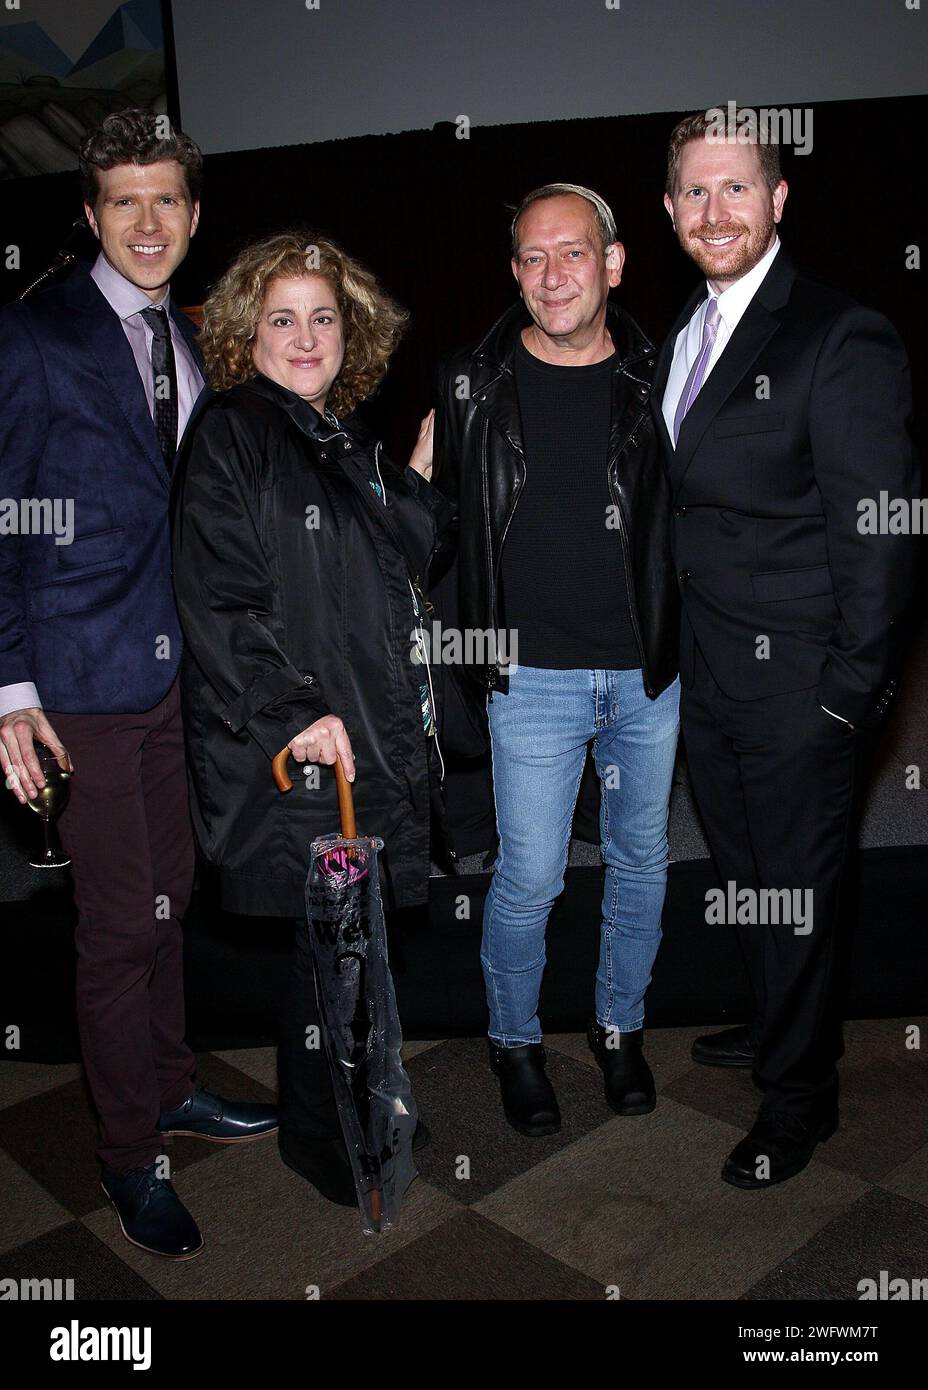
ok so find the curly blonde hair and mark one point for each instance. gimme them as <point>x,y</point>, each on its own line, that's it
<point>372,322</point>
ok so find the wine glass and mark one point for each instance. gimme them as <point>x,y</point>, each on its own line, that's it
<point>48,802</point>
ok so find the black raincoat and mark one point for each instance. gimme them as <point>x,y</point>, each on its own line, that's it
<point>293,584</point>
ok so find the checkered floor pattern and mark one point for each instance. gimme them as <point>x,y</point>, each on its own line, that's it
<point>632,1206</point>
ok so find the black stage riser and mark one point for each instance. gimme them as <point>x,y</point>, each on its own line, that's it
<point>236,967</point>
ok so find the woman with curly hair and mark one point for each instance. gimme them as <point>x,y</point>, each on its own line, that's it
<point>299,552</point>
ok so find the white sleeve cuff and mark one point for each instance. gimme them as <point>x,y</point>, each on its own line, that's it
<point>21,696</point>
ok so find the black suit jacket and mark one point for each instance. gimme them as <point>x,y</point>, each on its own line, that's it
<point>805,415</point>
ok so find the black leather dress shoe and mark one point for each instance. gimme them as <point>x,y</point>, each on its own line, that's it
<point>778,1146</point>
<point>207,1116</point>
<point>529,1102</point>
<point>730,1048</point>
<point>151,1214</point>
<point>627,1078</point>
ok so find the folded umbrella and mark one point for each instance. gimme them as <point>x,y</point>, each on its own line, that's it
<point>357,1006</point>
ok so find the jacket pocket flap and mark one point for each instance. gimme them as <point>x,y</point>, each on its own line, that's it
<point>771,585</point>
<point>95,549</point>
<point>757,423</point>
<point>77,594</point>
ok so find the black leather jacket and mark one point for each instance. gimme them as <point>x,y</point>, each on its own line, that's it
<point>480,465</point>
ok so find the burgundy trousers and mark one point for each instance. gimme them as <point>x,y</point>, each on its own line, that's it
<point>127,831</point>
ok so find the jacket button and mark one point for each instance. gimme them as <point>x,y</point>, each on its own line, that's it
<point>683,576</point>
<point>309,680</point>
<point>347,445</point>
<point>643,390</point>
<point>650,361</point>
<point>679,511</point>
<point>228,723</point>
<point>323,455</point>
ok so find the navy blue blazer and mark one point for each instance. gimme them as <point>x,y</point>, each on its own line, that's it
<point>92,623</point>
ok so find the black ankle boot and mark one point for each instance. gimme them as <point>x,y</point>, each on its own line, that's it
<point>529,1102</point>
<point>628,1082</point>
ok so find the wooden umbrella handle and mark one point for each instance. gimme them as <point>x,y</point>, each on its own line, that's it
<point>279,769</point>
<point>345,802</point>
<point>345,799</point>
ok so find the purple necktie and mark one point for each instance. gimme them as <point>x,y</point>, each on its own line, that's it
<point>698,370</point>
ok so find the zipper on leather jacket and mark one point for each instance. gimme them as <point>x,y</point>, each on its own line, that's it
<point>491,578</point>
<point>493,573</point>
<point>626,559</point>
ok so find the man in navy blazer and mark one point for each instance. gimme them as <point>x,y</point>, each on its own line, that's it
<point>99,376</point>
<point>784,407</point>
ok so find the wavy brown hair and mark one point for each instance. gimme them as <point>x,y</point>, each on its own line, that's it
<point>372,322</point>
<point>135,136</point>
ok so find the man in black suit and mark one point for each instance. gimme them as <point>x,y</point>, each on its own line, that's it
<point>782,405</point>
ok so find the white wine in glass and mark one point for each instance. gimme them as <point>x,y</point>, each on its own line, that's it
<point>48,802</point>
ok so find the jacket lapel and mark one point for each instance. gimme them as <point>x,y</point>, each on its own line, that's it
<point>498,399</point>
<point>755,329</point>
<point>107,344</point>
<point>190,335</point>
<point>662,370</point>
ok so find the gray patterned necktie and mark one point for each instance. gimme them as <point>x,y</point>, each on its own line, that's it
<point>164,372</point>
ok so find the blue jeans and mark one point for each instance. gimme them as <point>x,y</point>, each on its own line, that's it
<point>539,734</point>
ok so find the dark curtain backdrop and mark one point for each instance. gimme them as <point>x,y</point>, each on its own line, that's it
<point>429,213</point>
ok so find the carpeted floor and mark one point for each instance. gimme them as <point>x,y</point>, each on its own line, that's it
<point>610,1207</point>
<point>633,1206</point>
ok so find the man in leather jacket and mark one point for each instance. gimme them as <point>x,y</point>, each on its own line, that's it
<point>568,607</point>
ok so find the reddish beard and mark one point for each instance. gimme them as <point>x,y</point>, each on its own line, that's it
<point>741,256</point>
<point>723,229</point>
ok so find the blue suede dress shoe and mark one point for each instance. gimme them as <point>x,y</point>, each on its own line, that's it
<point>151,1214</point>
<point>204,1115</point>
